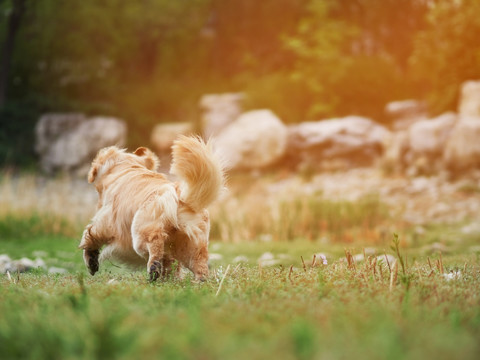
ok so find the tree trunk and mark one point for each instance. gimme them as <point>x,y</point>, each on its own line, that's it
<point>14,20</point>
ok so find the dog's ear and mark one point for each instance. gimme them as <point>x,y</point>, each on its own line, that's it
<point>151,160</point>
<point>141,151</point>
<point>92,174</point>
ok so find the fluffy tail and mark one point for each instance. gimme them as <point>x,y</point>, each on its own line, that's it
<point>200,171</point>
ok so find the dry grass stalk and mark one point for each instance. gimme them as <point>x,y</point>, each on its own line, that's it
<point>303,262</point>
<point>221,281</point>
<point>393,275</point>
<point>388,262</point>
<point>10,278</point>
<point>429,263</point>
<point>314,261</point>
<point>235,270</point>
<point>441,264</point>
<point>350,260</point>
<point>290,274</point>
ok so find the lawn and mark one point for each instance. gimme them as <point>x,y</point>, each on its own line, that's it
<point>291,310</point>
<point>270,294</point>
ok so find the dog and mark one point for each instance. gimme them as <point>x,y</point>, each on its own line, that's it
<point>144,218</point>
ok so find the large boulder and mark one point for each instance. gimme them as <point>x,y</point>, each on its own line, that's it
<point>344,142</point>
<point>219,110</point>
<point>68,142</point>
<point>402,114</point>
<point>256,139</point>
<point>469,105</point>
<point>428,137</point>
<point>426,143</point>
<point>462,150</point>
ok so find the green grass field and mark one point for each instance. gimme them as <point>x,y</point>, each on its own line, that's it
<point>342,310</point>
<point>427,306</point>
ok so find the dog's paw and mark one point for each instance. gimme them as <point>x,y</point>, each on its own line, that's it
<point>155,270</point>
<point>92,260</point>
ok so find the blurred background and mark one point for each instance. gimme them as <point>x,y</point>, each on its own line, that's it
<point>341,121</point>
<point>150,61</point>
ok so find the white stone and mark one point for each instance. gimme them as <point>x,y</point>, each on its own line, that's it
<point>256,139</point>
<point>462,150</point>
<point>69,142</point>
<point>240,259</point>
<point>428,137</point>
<point>355,139</point>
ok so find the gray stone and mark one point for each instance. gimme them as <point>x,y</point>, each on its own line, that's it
<point>348,142</point>
<point>68,142</point>
<point>256,139</point>
<point>462,150</point>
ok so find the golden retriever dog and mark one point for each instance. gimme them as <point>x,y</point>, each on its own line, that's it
<point>144,218</point>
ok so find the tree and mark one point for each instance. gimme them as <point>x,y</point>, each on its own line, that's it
<point>13,23</point>
<point>447,52</point>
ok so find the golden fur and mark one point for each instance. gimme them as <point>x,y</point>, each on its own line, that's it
<point>142,217</point>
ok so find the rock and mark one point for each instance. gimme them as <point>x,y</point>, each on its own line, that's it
<point>215,257</point>
<point>469,105</point>
<point>266,256</point>
<point>345,142</point>
<point>21,265</point>
<point>462,150</point>
<point>396,148</point>
<point>405,113</point>
<point>50,127</point>
<point>386,259</point>
<point>4,263</point>
<point>436,248</point>
<point>472,228</point>
<point>256,139</point>
<point>219,110</point>
<point>163,135</point>
<point>452,275</point>
<point>68,142</point>
<point>321,258</point>
<point>240,259</point>
<point>428,137</point>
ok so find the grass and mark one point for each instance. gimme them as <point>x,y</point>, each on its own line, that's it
<point>426,305</point>
<point>338,310</point>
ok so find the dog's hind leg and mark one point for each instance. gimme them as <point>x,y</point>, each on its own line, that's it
<point>149,241</point>
<point>150,228</point>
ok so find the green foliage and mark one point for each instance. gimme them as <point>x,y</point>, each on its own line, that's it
<point>447,52</point>
<point>17,227</point>
<point>150,61</point>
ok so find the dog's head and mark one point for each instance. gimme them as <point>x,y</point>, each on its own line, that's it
<point>109,157</point>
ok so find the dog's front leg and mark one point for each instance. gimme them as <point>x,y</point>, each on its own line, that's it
<point>155,259</point>
<point>90,246</point>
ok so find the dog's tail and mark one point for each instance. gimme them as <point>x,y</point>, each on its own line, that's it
<point>199,169</point>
